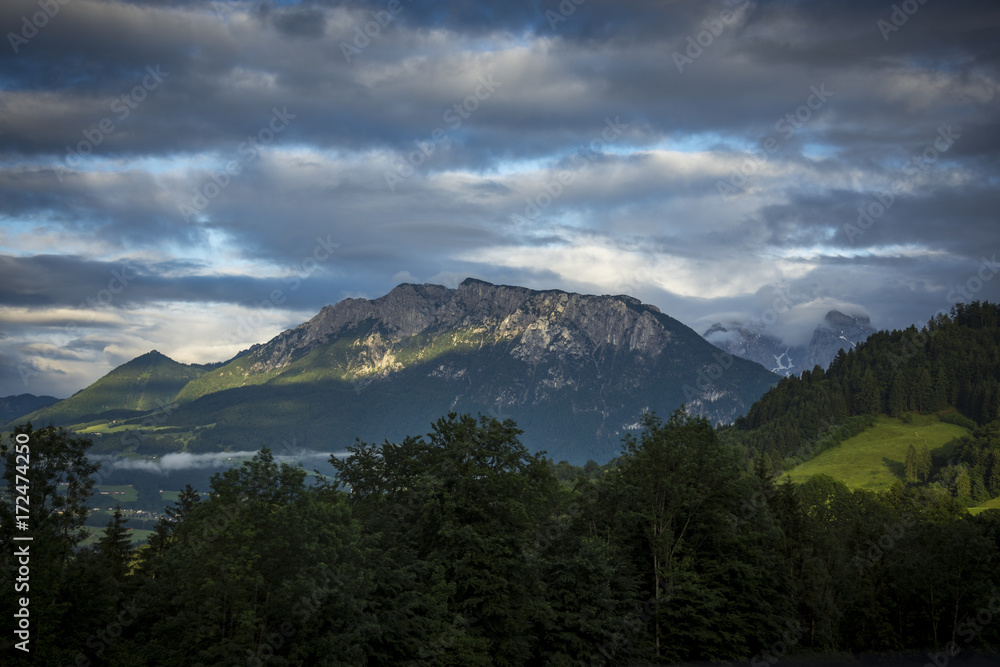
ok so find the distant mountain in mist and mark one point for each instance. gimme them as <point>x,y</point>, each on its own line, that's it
<point>12,407</point>
<point>837,331</point>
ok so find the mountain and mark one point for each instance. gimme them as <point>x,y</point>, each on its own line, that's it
<point>12,407</point>
<point>574,371</point>
<point>837,331</point>
<point>134,388</point>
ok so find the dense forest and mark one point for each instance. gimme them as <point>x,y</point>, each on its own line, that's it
<point>462,548</point>
<point>951,363</point>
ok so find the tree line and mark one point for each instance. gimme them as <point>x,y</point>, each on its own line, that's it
<point>460,547</point>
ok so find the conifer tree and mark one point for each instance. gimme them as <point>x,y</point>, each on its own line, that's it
<point>115,546</point>
<point>963,484</point>
<point>924,463</point>
<point>911,466</point>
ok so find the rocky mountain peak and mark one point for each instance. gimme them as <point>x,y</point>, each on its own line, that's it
<point>834,332</point>
<point>838,320</point>
<point>534,321</point>
<point>715,328</point>
<point>578,369</point>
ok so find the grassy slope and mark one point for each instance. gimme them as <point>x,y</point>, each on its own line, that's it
<point>145,383</point>
<point>874,459</point>
<point>988,505</point>
<point>337,360</point>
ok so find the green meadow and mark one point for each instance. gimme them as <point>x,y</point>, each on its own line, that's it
<point>874,459</point>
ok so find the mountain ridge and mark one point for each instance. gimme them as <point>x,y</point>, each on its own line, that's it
<point>144,383</point>
<point>494,313</point>
<point>12,407</point>
<point>578,369</point>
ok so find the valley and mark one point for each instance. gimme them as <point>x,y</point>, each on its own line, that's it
<point>879,472</point>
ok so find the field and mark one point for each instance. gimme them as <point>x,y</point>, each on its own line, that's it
<point>874,459</point>
<point>988,505</point>
<point>117,494</point>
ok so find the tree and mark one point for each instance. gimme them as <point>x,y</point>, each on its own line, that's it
<point>897,397</point>
<point>266,569</point>
<point>459,510</point>
<point>911,466</point>
<point>590,587</point>
<point>963,484</point>
<point>924,463</point>
<point>51,466</point>
<point>942,390</point>
<point>115,546</point>
<point>680,485</point>
<point>993,480</point>
<point>867,401</point>
<point>924,391</point>
<point>162,532</point>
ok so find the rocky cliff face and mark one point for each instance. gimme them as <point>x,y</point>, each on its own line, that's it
<point>837,331</point>
<point>533,324</point>
<point>575,371</point>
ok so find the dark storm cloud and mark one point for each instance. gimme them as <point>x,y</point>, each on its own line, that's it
<point>444,139</point>
<point>294,21</point>
<point>76,282</point>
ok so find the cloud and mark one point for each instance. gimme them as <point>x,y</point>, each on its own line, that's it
<point>115,116</point>
<point>177,461</point>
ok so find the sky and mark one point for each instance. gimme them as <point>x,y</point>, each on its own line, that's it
<point>196,177</point>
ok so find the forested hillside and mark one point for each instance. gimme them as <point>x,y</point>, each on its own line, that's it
<point>462,548</point>
<point>951,363</point>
